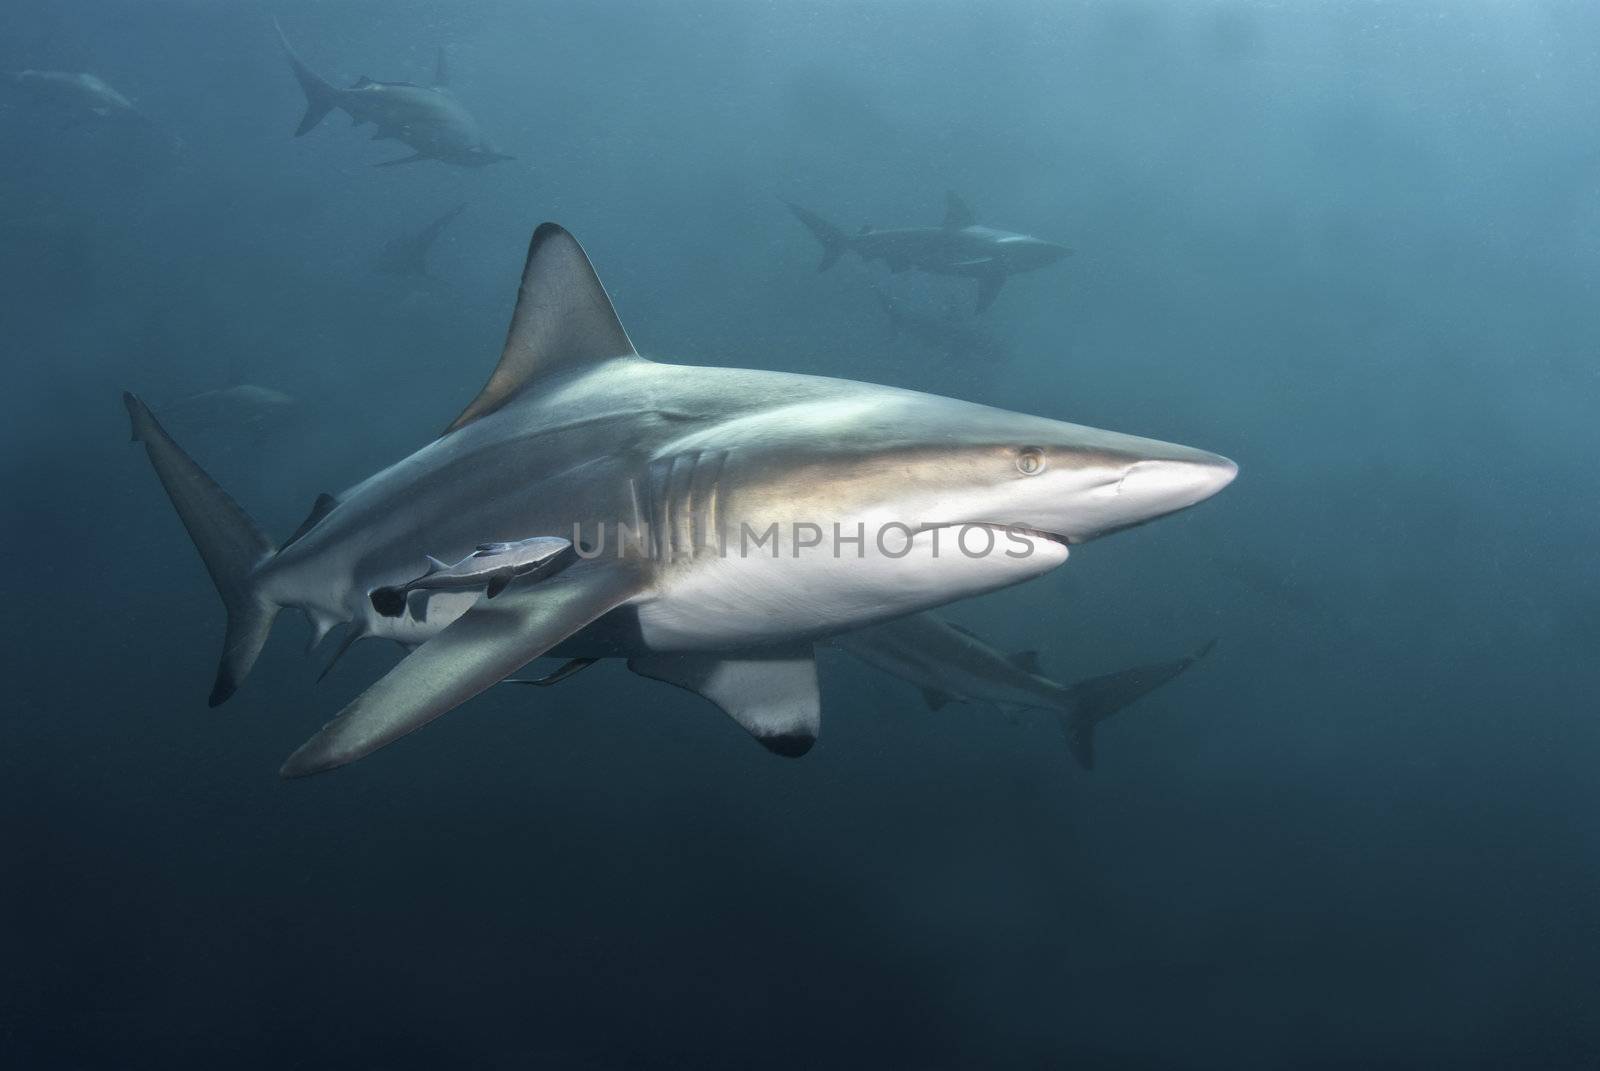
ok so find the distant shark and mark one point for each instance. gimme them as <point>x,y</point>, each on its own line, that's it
<point>660,475</point>
<point>949,663</point>
<point>82,96</point>
<point>428,119</point>
<point>958,246</point>
<point>408,254</point>
<point>951,332</point>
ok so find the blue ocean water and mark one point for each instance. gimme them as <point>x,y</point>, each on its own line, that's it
<point>1352,245</point>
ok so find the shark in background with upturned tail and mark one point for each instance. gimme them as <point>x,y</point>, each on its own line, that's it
<point>428,119</point>
<point>958,246</point>
<point>575,435</point>
<point>949,663</point>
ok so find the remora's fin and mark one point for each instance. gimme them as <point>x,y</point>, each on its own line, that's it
<point>989,284</point>
<point>388,601</point>
<point>1094,700</point>
<point>834,241</point>
<point>485,645</point>
<point>563,319</point>
<point>441,72</point>
<point>319,509</point>
<point>229,543</point>
<point>321,98</point>
<point>956,213</point>
<point>771,693</point>
<point>561,673</point>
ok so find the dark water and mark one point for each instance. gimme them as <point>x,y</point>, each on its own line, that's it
<point>1354,246</point>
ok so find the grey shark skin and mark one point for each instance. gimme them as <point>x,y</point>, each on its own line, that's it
<point>949,663</point>
<point>575,434</point>
<point>429,119</point>
<point>959,246</point>
<point>407,255</point>
<point>489,568</point>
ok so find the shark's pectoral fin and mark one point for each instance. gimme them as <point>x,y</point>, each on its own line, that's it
<point>486,644</point>
<point>772,693</point>
<point>989,285</point>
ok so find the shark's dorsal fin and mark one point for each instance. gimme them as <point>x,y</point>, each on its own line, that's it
<point>361,83</point>
<point>1027,661</point>
<point>563,319</point>
<point>957,214</point>
<point>441,72</point>
<point>319,509</point>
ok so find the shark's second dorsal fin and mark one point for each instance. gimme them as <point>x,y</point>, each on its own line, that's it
<point>563,320</point>
<point>957,214</point>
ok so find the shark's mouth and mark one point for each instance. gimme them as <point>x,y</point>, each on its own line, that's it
<point>1002,532</point>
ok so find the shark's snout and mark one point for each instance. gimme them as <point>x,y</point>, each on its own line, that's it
<point>1155,487</point>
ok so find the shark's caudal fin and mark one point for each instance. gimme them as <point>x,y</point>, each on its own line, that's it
<point>834,241</point>
<point>229,542</point>
<point>1092,701</point>
<point>321,97</point>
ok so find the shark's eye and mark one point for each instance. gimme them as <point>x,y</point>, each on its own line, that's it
<point>1030,461</point>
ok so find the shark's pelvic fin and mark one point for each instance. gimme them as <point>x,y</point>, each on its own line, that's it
<point>229,543</point>
<point>563,319</point>
<point>485,645</point>
<point>321,98</point>
<point>957,214</point>
<point>771,693</point>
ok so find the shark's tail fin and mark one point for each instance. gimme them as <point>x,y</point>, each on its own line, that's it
<point>834,241</point>
<point>1092,701</point>
<point>229,542</point>
<point>321,97</point>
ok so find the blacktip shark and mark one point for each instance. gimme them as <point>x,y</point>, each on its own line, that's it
<point>490,567</point>
<point>958,246</point>
<point>701,501</point>
<point>408,254</point>
<point>949,664</point>
<point>429,119</point>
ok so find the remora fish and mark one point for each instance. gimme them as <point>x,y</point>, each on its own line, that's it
<point>429,119</point>
<point>575,432</point>
<point>488,568</point>
<point>948,663</point>
<point>958,246</point>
